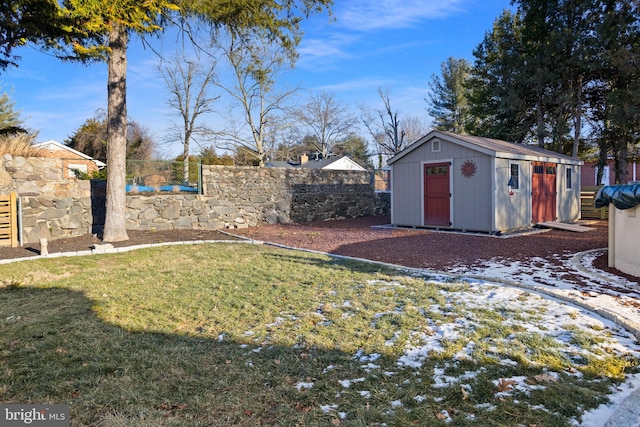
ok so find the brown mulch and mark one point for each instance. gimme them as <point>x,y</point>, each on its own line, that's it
<point>429,249</point>
<point>355,237</point>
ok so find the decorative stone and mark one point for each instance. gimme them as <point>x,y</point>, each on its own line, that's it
<point>44,247</point>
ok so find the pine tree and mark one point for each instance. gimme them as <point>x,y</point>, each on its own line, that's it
<point>448,100</point>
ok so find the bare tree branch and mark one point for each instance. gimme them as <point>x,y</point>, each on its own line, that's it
<point>255,66</point>
<point>326,119</point>
<point>189,82</point>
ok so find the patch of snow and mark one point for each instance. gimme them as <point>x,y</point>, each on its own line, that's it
<point>370,366</point>
<point>599,416</point>
<point>328,408</point>
<point>347,383</point>
<point>303,386</point>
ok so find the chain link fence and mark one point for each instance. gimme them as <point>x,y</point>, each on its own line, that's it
<point>147,176</point>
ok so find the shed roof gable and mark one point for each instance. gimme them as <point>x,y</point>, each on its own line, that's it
<point>492,147</point>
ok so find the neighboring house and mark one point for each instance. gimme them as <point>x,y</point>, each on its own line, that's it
<point>589,174</point>
<point>333,163</point>
<point>461,182</point>
<point>71,159</point>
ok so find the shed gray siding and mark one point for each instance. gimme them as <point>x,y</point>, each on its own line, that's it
<point>472,200</point>
<point>568,198</point>
<point>513,206</point>
<point>471,208</point>
<point>406,207</point>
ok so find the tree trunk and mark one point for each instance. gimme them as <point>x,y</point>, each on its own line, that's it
<point>185,154</point>
<point>114,224</point>
<point>540,123</point>
<point>577,118</point>
<point>621,163</point>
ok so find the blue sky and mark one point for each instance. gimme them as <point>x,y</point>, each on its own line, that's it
<point>392,44</point>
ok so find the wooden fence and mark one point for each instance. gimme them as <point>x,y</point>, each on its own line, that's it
<point>8,221</point>
<point>587,207</point>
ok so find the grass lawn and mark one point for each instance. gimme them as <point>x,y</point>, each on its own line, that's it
<point>246,335</point>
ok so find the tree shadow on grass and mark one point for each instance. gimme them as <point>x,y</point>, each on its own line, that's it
<point>56,349</point>
<point>331,263</point>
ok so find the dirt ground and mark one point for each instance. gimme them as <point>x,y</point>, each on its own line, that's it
<point>364,238</point>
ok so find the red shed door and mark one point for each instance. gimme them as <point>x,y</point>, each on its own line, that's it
<point>437,194</point>
<point>543,192</point>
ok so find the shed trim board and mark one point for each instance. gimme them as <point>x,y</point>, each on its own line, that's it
<point>480,183</point>
<point>494,194</point>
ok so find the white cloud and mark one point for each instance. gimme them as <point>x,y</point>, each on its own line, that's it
<point>353,85</point>
<point>365,15</point>
<point>361,19</point>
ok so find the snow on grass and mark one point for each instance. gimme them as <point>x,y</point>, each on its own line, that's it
<point>453,332</point>
<point>558,275</point>
<point>303,385</point>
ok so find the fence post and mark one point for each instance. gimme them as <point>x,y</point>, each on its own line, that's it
<point>8,221</point>
<point>200,189</point>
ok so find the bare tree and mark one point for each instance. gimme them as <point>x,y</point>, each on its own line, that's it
<point>189,82</point>
<point>414,128</point>
<point>326,119</point>
<point>391,133</point>
<point>255,65</point>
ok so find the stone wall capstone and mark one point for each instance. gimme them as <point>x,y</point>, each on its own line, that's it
<point>54,206</point>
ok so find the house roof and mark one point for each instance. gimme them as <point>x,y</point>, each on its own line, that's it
<point>56,146</point>
<point>492,147</point>
<point>280,164</point>
<point>325,163</point>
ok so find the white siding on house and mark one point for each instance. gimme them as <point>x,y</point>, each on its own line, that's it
<point>345,164</point>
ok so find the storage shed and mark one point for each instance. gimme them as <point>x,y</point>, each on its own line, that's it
<point>450,181</point>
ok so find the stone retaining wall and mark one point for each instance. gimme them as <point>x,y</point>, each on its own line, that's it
<point>54,206</point>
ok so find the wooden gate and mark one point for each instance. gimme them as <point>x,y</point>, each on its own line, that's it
<point>8,221</point>
<point>543,192</point>
<point>437,195</point>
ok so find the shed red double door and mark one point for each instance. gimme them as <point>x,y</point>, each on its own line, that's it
<point>437,194</point>
<point>543,192</point>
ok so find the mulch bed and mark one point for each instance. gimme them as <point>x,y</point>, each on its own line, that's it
<point>359,237</point>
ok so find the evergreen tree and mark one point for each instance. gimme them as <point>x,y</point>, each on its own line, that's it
<point>10,121</point>
<point>499,98</point>
<point>91,139</point>
<point>356,148</point>
<point>448,100</point>
<point>615,92</point>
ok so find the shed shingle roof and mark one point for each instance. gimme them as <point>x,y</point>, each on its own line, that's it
<point>492,147</point>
